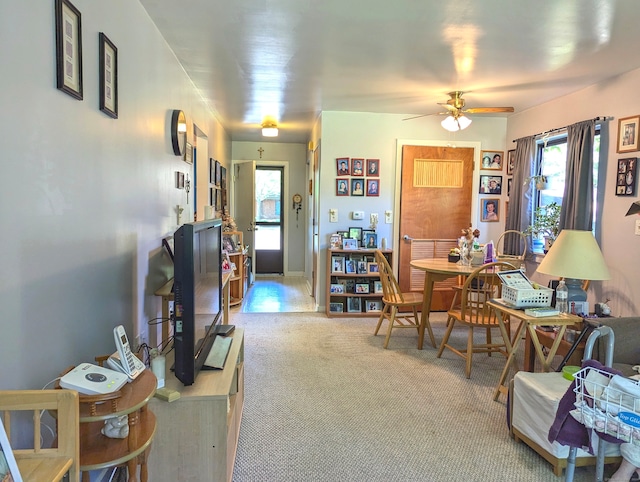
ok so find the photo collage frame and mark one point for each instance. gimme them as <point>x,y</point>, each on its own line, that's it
<point>357,177</point>
<point>491,182</point>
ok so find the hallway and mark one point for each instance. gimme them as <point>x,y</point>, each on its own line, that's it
<point>277,294</point>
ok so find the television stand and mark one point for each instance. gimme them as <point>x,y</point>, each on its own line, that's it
<point>197,434</point>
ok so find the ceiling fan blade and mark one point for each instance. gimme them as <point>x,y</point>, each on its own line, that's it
<point>480,110</point>
<point>426,115</point>
<point>449,107</point>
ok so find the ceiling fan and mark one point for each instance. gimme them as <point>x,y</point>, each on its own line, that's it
<point>455,112</point>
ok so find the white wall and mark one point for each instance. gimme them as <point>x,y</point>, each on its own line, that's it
<point>618,97</point>
<point>295,156</point>
<point>86,199</point>
<point>356,134</point>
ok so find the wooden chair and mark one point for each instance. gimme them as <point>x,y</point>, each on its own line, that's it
<point>41,463</point>
<point>469,308</point>
<point>516,259</point>
<point>394,300</point>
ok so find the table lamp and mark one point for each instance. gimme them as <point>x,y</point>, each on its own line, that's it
<point>575,256</point>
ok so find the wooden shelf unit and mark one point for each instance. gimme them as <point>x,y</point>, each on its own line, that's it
<point>198,433</point>
<point>238,281</point>
<point>348,279</point>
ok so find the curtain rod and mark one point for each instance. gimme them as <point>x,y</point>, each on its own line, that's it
<point>603,118</point>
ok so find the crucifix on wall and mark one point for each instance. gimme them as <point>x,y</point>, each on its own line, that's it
<point>261,150</point>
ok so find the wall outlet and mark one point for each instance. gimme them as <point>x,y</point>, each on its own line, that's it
<point>357,214</point>
<point>637,227</point>
<point>388,217</point>
<point>333,215</point>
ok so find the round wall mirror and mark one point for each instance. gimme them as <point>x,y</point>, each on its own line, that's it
<point>178,132</point>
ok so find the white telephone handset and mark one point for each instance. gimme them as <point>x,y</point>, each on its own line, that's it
<point>124,360</point>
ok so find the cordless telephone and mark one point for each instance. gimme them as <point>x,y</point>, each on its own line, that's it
<point>123,359</point>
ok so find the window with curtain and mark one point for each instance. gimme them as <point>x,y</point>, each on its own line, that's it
<point>551,162</point>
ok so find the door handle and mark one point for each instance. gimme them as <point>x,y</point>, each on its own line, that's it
<point>407,238</point>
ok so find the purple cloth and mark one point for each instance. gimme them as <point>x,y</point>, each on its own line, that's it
<point>565,429</point>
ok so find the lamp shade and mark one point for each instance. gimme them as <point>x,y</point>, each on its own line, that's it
<point>575,254</point>
<point>269,129</point>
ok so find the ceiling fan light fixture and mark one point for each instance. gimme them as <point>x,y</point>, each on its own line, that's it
<point>269,129</point>
<point>453,124</point>
<point>464,122</point>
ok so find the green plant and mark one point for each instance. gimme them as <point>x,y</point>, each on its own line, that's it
<point>546,221</point>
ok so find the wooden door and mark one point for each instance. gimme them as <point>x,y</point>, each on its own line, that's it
<point>435,204</point>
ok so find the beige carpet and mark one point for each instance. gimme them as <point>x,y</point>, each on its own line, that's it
<point>325,402</point>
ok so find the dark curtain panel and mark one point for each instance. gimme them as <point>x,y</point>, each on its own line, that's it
<point>577,203</point>
<point>521,196</point>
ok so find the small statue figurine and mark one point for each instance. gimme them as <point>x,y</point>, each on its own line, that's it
<point>116,427</point>
<point>228,223</point>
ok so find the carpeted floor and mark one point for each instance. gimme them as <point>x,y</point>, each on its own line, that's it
<point>325,402</point>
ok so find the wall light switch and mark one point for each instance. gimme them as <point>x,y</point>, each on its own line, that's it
<point>388,217</point>
<point>333,215</point>
<point>637,227</point>
<point>373,218</point>
<point>357,215</point>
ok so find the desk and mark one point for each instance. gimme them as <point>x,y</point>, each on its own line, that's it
<point>436,269</point>
<point>166,292</point>
<point>529,322</point>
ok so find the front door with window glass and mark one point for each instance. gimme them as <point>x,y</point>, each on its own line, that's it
<point>269,232</point>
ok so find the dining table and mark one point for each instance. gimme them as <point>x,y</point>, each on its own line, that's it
<point>436,269</point>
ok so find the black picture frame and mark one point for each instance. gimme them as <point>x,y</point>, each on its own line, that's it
<point>223,177</point>
<point>68,49</point>
<point>356,233</point>
<point>108,75</point>
<point>218,173</point>
<point>212,170</point>
<point>626,176</point>
<point>490,184</point>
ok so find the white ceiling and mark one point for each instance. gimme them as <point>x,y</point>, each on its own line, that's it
<point>292,59</point>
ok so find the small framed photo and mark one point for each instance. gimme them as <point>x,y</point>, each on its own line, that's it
<point>344,234</point>
<point>361,267</point>
<point>373,268</point>
<point>492,160</point>
<point>490,184</point>
<point>373,167</point>
<point>349,243</point>
<point>337,264</point>
<point>489,211</point>
<point>356,233</point>
<point>362,288</point>
<point>218,173</point>
<point>342,187</point>
<point>227,265</point>
<point>223,177</point>
<point>354,305</point>
<point>108,55</point>
<point>373,306</point>
<point>69,49</point>
<point>509,182</point>
<point>628,134</point>
<point>212,170</point>
<point>370,240</point>
<point>229,243</point>
<point>377,287</point>
<point>8,466</point>
<point>511,161</point>
<point>357,167</point>
<point>342,166</point>
<point>626,177</point>
<point>373,187</point>
<point>336,307</point>
<point>357,187</point>
<point>335,241</point>
<point>350,266</point>
<point>337,289</point>
<point>188,153</point>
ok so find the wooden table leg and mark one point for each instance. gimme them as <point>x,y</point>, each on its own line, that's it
<point>512,348</point>
<point>426,308</point>
<point>546,361</point>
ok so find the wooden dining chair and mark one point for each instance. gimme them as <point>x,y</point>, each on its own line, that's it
<point>469,308</point>
<point>395,301</point>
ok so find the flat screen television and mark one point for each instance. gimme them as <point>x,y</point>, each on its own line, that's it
<point>197,289</point>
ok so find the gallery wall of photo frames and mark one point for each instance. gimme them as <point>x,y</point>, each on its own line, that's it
<point>492,183</point>
<point>218,187</point>
<point>357,176</point>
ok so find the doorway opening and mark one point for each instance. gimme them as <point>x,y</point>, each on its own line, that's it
<point>269,220</point>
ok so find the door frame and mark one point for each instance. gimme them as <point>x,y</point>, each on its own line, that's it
<point>281,220</point>
<point>475,185</point>
<point>285,201</point>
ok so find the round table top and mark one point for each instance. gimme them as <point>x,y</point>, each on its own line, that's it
<point>441,265</point>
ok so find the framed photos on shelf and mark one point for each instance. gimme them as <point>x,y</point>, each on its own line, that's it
<point>362,288</point>
<point>337,264</point>
<point>356,233</point>
<point>377,287</point>
<point>370,240</point>
<point>373,268</point>
<point>336,307</point>
<point>361,267</point>
<point>349,243</point>
<point>337,289</point>
<point>335,241</point>
<point>626,177</point>
<point>492,160</point>
<point>354,305</point>
<point>229,243</point>
<point>372,306</point>
<point>350,266</point>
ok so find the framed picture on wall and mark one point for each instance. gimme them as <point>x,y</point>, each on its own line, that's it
<point>490,184</point>
<point>626,177</point>
<point>342,166</point>
<point>628,134</point>
<point>373,167</point>
<point>342,187</point>
<point>489,209</point>
<point>373,187</point>
<point>357,167</point>
<point>492,160</point>
<point>108,75</point>
<point>68,49</point>
<point>511,160</point>
<point>357,187</point>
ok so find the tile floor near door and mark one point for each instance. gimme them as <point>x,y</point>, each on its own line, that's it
<point>277,294</point>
